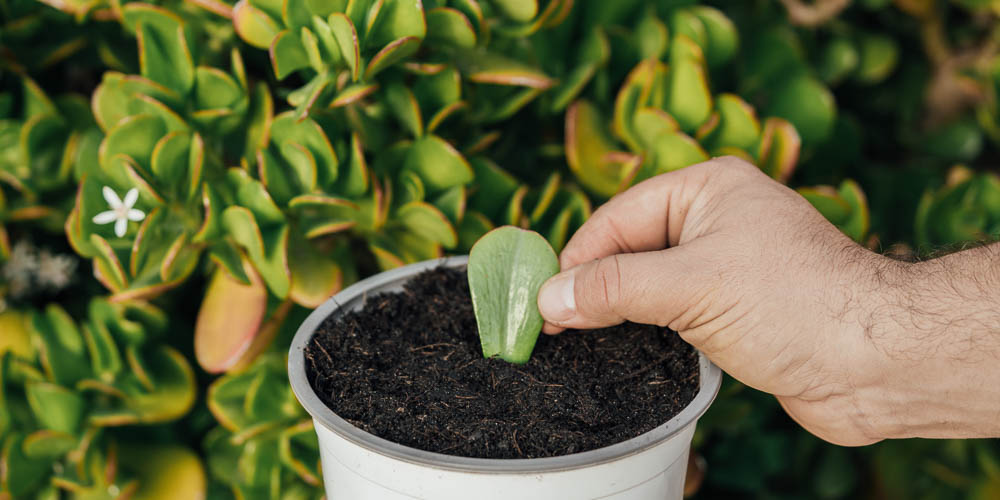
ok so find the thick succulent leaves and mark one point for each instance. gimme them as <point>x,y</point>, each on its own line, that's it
<point>807,104</point>
<point>733,125</point>
<point>252,195</point>
<point>315,277</point>
<point>572,86</point>
<point>287,129</point>
<point>543,200</point>
<point>473,12</point>
<point>221,338</point>
<point>55,407</point>
<point>827,202</point>
<point>651,37</point>
<point>878,56</point>
<point>164,54</point>
<point>506,269</point>
<point>452,204</point>
<point>395,20</point>
<point>721,36</point>
<point>287,54</point>
<point>438,164</point>
<point>687,95</point>
<point>266,246</point>
<point>449,27</point>
<point>20,473</point>
<point>47,444</point>
<point>633,94</point>
<point>779,149</point>
<point>588,148</point>
<point>17,340</point>
<point>299,451</point>
<point>165,471</point>
<point>105,356</point>
<point>39,137</point>
<point>173,386</point>
<point>485,67</point>
<point>408,187</point>
<point>60,346</point>
<point>517,10</point>
<point>839,60</point>
<point>347,40</point>
<point>473,226</point>
<point>649,124</point>
<point>391,54</point>
<point>274,172</point>
<point>254,25</point>
<point>507,105</point>
<point>428,222</point>
<point>858,224</point>
<point>119,96</point>
<point>493,188</point>
<point>770,58</point>
<point>134,137</point>
<point>403,104</point>
<point>319,215</point>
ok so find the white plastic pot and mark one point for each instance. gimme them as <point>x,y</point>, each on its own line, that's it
<point>360,466</point>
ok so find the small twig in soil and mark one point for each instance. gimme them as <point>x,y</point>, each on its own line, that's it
<point>644,369</point>
<point>516,447</point>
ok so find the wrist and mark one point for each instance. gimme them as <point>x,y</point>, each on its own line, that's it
<point>933,332</point>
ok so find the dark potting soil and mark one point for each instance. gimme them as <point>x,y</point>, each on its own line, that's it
<point>408,367</point>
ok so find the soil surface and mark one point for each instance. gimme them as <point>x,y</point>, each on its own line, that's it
<point>409,368</point>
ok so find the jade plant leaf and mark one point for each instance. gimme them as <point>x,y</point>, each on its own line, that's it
<point>506,269</point>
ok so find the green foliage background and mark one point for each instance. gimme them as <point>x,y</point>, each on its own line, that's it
<point>278,150</point>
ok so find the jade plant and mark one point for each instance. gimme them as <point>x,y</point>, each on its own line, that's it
<point>664,115</point>
<point>65,387</point>
<point>506,269</point>
<point>845,206</point>
<point>965,209</point>
<point>265,446</point>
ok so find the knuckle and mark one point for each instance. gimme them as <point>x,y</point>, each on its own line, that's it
<point>606,291</point>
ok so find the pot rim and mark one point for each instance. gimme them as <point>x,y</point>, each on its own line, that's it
<point>710,379</point>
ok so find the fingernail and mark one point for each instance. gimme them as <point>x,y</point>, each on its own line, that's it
<point>556,301</point>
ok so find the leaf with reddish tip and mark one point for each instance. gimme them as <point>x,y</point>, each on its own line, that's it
<point>587,149</point>
<point>403,104</point>
<point>391,54</point>
<point>347,39</point>
<point>315,277</point>
<point>174,388</point>
<point>353,94</point>
<point>220,337</point>
<point>737,125</point>
<point>688,98</point>
<point>438,164</point>
<point>287,54</point>
<point>650,123</point>
<point>517,10</point>
<point>448,26</point>
<point>397,19</point>
<point>779,149</point>
<point>633,95</point>
<point>253,25</point>
<point>485,67</point>
<point>676,150</point>
<point>427,221</point>
<point>267,247</point>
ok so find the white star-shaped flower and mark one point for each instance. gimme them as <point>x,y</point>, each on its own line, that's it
<point>121,210</point>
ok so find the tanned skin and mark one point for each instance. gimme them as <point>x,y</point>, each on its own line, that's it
<point>856,346</point>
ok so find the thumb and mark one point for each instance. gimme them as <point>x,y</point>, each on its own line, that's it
<point>638,287</point>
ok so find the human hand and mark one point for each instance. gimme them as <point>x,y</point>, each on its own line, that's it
<point>748,272</point>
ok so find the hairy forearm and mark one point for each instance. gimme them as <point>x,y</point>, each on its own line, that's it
<point>935,331</point>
